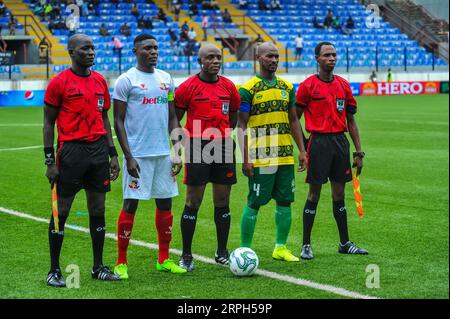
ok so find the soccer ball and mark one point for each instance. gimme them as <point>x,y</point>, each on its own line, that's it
<point>243,261</point>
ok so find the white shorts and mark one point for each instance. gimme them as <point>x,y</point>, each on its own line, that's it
<point>155,179</point>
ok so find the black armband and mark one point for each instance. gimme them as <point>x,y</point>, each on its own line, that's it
<point>49,153</point>
<point>112,151</point>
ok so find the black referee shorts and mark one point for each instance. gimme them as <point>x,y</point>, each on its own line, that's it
<point>210,161</point>
<point>328,158</point>
<point>83,165</point>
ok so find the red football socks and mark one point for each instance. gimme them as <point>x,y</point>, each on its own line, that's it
<point>163,220</point>
<point>124,229</point>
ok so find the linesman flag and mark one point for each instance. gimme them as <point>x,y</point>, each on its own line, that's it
<point>55,208</point>
<point>357,193</point>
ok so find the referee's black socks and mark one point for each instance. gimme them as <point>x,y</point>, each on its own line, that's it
<point>222,219</point>
<point>55,240</point>
<point>309,213</point>
<point>188,222</point>
<point>97,229</point>
<point>340,214</point>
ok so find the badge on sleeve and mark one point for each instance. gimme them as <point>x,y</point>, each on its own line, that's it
<point>225,108</point>
<point>100,103</point>
<point>340,104</point>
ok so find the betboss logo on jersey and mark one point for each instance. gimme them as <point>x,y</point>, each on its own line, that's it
<point>155,100</point>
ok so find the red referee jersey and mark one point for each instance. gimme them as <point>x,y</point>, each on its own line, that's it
<point>325,104</point>
<point>80,100</point>
<point>208,104</point>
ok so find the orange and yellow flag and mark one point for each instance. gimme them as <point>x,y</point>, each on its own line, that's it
<point>55,208</point>
<point>357,193</point>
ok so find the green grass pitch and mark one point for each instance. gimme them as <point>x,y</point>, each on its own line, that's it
<point>404,186</point>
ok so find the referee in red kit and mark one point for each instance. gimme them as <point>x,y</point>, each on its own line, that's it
<point>211,102</point>
<point>78,100</point>
<point>329,107</point>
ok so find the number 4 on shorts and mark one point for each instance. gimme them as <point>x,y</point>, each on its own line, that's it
<point>256,188</point>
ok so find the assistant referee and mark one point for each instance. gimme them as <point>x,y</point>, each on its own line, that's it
<point>329,107</point>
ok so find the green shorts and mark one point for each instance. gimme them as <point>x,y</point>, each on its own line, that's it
<point>277,182</point>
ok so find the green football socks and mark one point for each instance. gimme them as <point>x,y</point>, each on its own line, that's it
<point>248,223</point>
<point>283,220</point>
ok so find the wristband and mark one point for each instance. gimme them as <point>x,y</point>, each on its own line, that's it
<point>112,151</point>
<point>359,154</point>
<point>49,153</point>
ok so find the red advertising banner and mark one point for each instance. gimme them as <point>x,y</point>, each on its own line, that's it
<point>399,88</point>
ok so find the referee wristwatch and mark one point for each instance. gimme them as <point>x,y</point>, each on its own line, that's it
<point>359,154</point>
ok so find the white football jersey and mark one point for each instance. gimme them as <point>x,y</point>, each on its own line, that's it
<point>147,116</point>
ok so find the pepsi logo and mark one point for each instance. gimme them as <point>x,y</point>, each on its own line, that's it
<point>29,95</point>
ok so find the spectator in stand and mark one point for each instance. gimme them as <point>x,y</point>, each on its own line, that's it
<point>161,15</point>
<point>43,50</point>
<point>259,40</point>
<point>12,24</point>
<point>328,19</point>
<point>177,10</point>
<point>206,4</point>
<point>2,8</point>
<point>390,76</point>
<point>205,25</point>
<point>116,44</point>
<point>176,48</point>
<point>317,24</point>
<point>185,27</point>
<point>373,77</point>
<point>350,24</point>
<point>48,9</point>
<point>72,22</point>
<point>193,10</point>
<point>148,23</point>
<point>192,35</point>
<point>275,5</point>
<point>214,5</point>
<point>226,16</point>
<point>298,46</point>
<point>93,7</point>
<point>243,4</point>
<point>125,29</point>
<point>173,36</point>
<point>336,24</point>
<point>135,11</point>
<point>346,30</point>
<point>103,31</point>
<point>262,5</point>
<point>189,48</point>
<point>149,1</point>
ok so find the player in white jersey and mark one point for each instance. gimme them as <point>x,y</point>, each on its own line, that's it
<point>144,112</point>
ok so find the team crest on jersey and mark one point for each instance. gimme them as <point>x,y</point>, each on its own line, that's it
<point>340,104</point>
<point>283,94</point>
<point>225,108</point>
<point>100,103</point>
<point>142,85</point>
<point>134,184</point>
<point>164,87</point>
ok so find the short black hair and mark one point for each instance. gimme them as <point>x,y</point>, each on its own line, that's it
<point>142,37</point>
<point>320,45</point>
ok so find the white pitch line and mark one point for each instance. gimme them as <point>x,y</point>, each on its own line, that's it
<point>261,272</point>
<point>20,125</point>
<point>27,147</point>
<point>20,148</point>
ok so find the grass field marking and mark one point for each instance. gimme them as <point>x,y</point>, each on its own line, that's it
<point>20,148</point>
<point>28,147</point>
<point>261,272</point>
<point>20,125</point>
